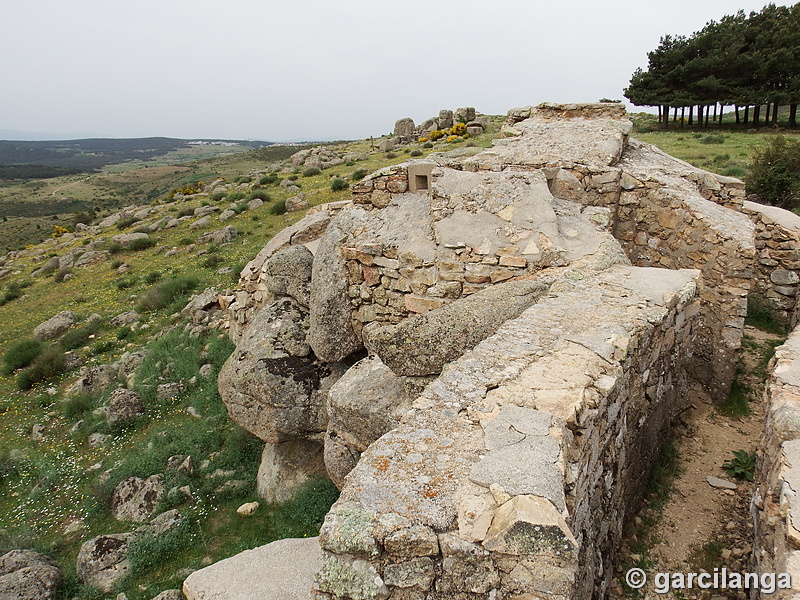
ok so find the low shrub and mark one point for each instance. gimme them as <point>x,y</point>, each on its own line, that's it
<point>143,229</point>
<point>186,212</point>
<point>713,138</point>
<point>243,179</point>
<point>761,315</point>
<point>21,354</point>
<point>213,262</point>
<point>311,172</point>
<point>391,155</point>
<point>115,248</point>
<point>75,338</point>
<point>152,277</point>
<point>302,516</point>
<point>166,293</point>
<point>775,173</point>
<point>359,174</point>
<point>236,196</point>
<point>416,152</point>
<point>116,264</point>
<point>217,196</point>
<point>739,172</point>
<point>436,134</point>
<point>62,273</point>
<point>337,185</point>
<point>123,283</point>
<point>48,364</point>
<point>141,244</point>
<point>279,208</point>
<point>125,223</point>
<point>13,291</point>
<point>270,179</point>
<point>260,194</point>
<point>427,145</point>
<point>75,407</point>
<point>148,551</point>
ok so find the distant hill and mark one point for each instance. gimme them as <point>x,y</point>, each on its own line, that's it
<point>44,159</point>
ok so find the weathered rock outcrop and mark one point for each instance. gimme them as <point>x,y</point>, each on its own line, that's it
<point>55,325</point>
<point>28,575</point>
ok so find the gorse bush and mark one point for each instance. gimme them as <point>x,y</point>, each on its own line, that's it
<point>775,173</point>
<point>165,293</point>
<point>21,354</point>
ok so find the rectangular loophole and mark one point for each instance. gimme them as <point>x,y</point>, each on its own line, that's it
<point>421,182</point>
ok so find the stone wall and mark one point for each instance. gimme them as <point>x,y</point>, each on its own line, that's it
<point>513,473</point>
<point>777,258</point>
<point>775,506</point>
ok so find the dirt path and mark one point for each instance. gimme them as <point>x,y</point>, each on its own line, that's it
<point>701,527</point>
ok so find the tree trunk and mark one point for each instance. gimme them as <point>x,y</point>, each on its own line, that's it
<point>691,114</point>
<point>746,114</point>
<point>721,112</point>
<point>666,116</point>
<point>766,116</point>
<point>736,109</point>
<point>683,113</point>
<point>659,113</point>
<point>793,115</point>
<point>675,113</point>
<point>708,112</point>
<point>775,108</point>
<point>756,115</point>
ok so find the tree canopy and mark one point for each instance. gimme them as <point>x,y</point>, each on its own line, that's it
<point>741,60</point>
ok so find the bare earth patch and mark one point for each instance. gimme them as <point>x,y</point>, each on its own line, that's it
<point>702,527</point>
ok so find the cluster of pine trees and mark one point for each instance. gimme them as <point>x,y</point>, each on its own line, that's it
<point>749,62</point>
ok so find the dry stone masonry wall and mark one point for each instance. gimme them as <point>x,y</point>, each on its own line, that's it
<point>775,508</point>
<point>484,349</point>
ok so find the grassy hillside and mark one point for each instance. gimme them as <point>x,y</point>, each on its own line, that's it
<point>29,209</point>
<point>20,159</point>
<point>55,479</point>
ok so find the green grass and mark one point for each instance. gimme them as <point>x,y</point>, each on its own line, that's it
<point>641,538</point>
<point>728,152</point>
<point>762,316</point>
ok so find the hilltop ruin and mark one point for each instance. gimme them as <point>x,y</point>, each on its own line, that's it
<point>484,350</point>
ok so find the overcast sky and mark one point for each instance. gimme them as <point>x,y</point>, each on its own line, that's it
<point>315,69</point>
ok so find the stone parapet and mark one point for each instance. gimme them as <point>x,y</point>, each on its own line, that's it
<point>775,508</point>
<point>512,474</point>
<point>777,264</point>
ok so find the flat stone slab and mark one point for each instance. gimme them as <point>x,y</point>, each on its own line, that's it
<point>281,570</point>
<point>723,484</point>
